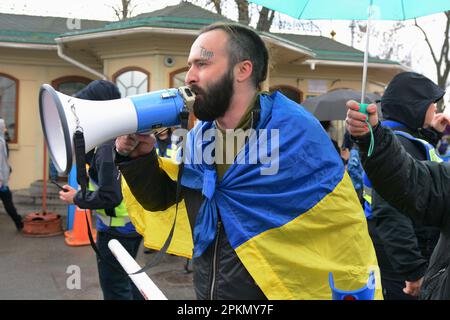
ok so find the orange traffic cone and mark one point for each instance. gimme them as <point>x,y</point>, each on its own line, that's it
<point>78,236</point>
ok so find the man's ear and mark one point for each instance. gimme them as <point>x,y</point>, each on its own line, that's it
<point>243,70</point>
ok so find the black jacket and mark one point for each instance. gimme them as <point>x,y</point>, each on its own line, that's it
<point>403,246</point>
<point>218,272</point>
<point>105,175</point>
<point>420,189</point>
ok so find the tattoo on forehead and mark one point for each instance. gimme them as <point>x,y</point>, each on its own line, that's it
<point>206,54</point>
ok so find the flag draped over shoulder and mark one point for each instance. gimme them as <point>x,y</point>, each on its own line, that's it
<point>155,226</point>
<point>291,228</point>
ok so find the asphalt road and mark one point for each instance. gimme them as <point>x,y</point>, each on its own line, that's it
<point>41,269</point>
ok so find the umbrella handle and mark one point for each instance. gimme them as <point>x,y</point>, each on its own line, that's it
<point>363,109</point>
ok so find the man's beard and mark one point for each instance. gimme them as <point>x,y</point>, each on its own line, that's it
<point>213,103</point>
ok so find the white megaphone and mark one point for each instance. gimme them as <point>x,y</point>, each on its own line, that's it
<point>101,121</point>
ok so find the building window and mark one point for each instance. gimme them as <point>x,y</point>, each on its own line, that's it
<point>9,88</point>
<point>177,77</point>
<point>70,85</point>
<point>177,80</point>
<point>290,92</point>
<point>132,81</point>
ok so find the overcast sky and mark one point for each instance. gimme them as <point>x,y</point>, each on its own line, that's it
<point>102,10</point>
<point>83,9</point>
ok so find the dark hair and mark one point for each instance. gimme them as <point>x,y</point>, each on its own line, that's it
<point>99,90</point>
<point>244,44</point>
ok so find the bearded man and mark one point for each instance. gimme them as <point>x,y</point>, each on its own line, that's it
<point>261,229</point>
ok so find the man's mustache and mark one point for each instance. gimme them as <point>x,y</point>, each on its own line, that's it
<point>197,90</point>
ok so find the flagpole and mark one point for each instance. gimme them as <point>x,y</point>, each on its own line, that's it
<point>145,285</point>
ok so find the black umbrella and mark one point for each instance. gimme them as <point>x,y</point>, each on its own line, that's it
<point>332,105</point>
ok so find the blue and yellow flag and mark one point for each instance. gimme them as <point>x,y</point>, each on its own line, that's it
<point>291,228</point>
<point>155,226</point>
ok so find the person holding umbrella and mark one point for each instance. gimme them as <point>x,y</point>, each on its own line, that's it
<point>419,189</point>
<point>403,246</point>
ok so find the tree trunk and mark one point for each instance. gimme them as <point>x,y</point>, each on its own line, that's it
<point>125,4</point>
<point>265,19</point>
<point>243,16</point>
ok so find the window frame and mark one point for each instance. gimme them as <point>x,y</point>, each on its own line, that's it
<point>131,68</point>
<point>16,116</point>
<point>173,73</point>
<point>59,81</point>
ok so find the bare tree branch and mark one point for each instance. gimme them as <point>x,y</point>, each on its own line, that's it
<point>430,47</point>
<point>217,5</point>
<point>125,10</point>
<point>442,62</point>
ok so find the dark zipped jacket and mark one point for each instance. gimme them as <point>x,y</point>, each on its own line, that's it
<point>218,272</point>
<point>403,246</point>
<point>419,189</point>
<point>106,177</point>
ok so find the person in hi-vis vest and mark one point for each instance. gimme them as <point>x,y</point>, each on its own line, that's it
<point>105,197</point>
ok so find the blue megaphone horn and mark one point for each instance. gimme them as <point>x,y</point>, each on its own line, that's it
<point>101,121</point>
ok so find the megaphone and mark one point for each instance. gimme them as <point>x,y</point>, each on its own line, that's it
<point>100,121</point>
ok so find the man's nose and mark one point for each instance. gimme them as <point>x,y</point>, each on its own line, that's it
<point>191,77</point>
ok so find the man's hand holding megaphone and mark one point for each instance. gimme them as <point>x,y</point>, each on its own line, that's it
<point>135,145</point>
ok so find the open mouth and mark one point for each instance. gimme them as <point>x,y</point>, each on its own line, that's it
<point>196,90</point>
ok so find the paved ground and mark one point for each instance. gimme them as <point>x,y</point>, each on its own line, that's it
<point>36,268</point>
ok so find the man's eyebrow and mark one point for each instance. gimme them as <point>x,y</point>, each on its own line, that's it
<point>194,61</point>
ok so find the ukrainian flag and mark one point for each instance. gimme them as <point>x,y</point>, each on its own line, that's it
<point>292,228</point>
<point>155,226</point>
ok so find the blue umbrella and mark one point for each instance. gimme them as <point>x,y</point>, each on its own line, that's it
<point>356,10</point>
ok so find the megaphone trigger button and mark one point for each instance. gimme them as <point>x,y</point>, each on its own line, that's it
<point>168,94</point>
